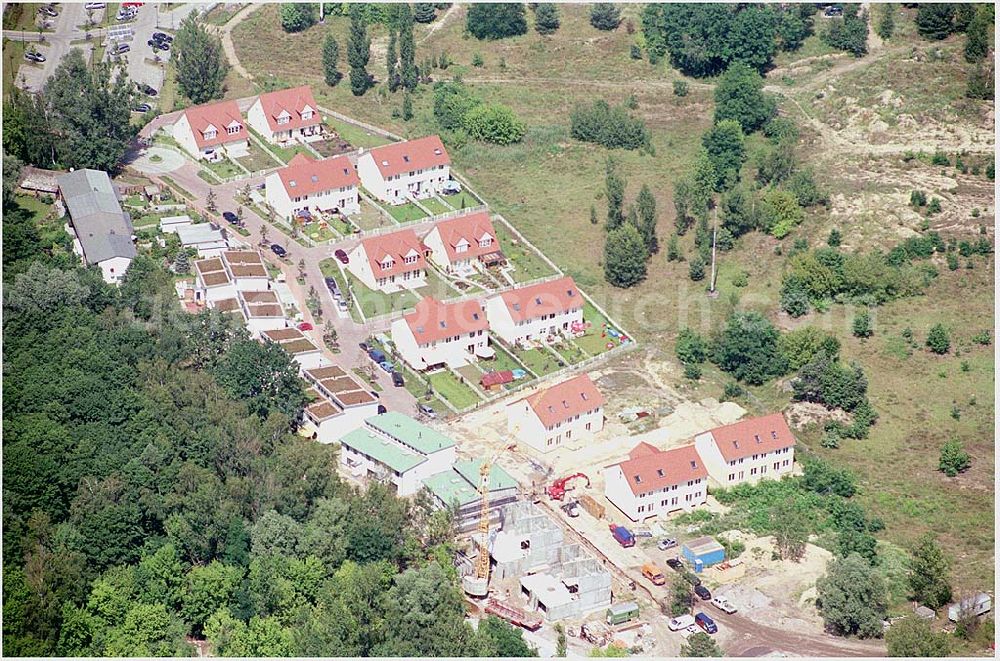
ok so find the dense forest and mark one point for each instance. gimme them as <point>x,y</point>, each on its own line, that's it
<point>156,493</point>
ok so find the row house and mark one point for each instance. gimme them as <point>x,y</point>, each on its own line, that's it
<point>401,171</point>
<point>536,312</point>
<point>435,334</point>
<point>748,451</point>
<point>220,278</point>
<point>461,245</point>
<point>654,482</point>
<point>284,116</point>
<point>212,131</point>
<point>306,354</point>
<point>262,311</point>
<point>328,185</point>
<point>341,404</point>
<point>390,262</point>
<point>564,413</point>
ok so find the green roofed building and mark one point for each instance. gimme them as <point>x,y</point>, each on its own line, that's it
<point>405,430</point>
<point>366,455</point>
<point>460,486</point>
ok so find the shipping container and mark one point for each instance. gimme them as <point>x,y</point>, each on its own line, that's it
<point>623,612</point>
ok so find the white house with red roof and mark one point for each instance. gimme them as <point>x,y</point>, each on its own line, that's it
<point>390,262</point>
<point>435,334</point>
<point>748,451</point>
<point>459,245</point>
<point>307,184</point>
<point>533,313</point>
<point>563,413</point>
<point>286,115</point>
<point>653,482</point>
<point>402,171</point>
<point>211,130</point>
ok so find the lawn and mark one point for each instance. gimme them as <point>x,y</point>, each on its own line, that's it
<point>595,340</point>
<point>13,56</point>
<point>319,234</point>
<point>223,169</point>
<point>571,352</point>
<point>257,159</point>
<point>436,206</point>
<point>370,217</point>
<point>285,154</point>
<point>462,200</point>
<point>500,362</point>
<point>372,303</point>
<point>528,264</point>
<point>357,136</point>
<point>417,387</point>
<point>459,394</point>
<point>539,361</point>
<point>405,213</point>
<point>220,14</point>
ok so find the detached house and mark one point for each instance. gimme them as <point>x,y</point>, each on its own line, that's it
<point>401,171</point>
<point>286,115</point>
<point>652,482</point>
<point>306,184</point>
<point>436,334</point>
<point>390,262</point>
<point>533,313</point>
<point>563,413</point>
<point>458,245</point>
<point>748,451</point>
<point>211,130</point>
<point>102,232</point>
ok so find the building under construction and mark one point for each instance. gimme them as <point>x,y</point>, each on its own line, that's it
<point>558,579</point>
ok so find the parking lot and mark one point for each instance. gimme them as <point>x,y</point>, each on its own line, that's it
<point>56,44</point>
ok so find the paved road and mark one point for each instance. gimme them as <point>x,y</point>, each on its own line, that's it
<point>55,45</point>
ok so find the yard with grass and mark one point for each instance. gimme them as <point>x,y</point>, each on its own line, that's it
<point>370,217</point>
<point>528,264</point>
<point>257,159</point>
<point>405,213</point>
<point>540,361</point>
<point>435,206</point>
<point>357,136</point>
<point>458,394</point>
<point>418,388</point>
<point>222,169</point>
<point>595,340</point>
<point>318,233</point>
<point>372,303</point>
<point>463,200</point>
<point>284,153</point>
<point>13,56</point>
<point>570,351</point>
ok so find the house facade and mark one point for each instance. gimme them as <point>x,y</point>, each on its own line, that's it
<point>402,171</point>
<point>436,334</point>
<point>748,451</point>
<point>102,232</point>
<point>535,312</point>
<point>460,245</point>
<point>286,115</point>
<point>390,262</point>
<point>654,482</point>
<point>306,184</point>
<point>208,131</point>
<point>566,412</point>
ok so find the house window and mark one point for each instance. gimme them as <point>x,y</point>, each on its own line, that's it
<point>210,135</point>
<point>412,259</point>
<point>461,248</point>
<point>731,476</point>
<point>486,242</point>
<point>753,471</point>
<point>283,120</point>
<point>568,433</point>
<point>233,130</point>
<point>307,113</point>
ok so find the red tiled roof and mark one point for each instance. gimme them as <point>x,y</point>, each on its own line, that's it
<point>397,245</point>
<point>305,176</point>
<point>497,378</point>
<point>432,320</point>
<point>565,400</point>
<point>753,436</point>
<point>220,115</point>
<point>649,468</point>
<point>470,228</point>
<point>402,157</point>
<point>293,101</point>
<point>544,298</point>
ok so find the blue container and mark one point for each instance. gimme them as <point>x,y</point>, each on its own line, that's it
<point>703,552</point>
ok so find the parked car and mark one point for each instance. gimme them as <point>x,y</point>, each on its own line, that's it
<point>666,543</point>
<point>340,255</point>
<point>833,11</point>
<point>691,578</point>
<point>706,623</point>
<point>653,573</point>
<point>687,632</point>
<point>278,250</point>
<point>94,6</point>
<point>702,592</point>
<point>126,15</point>
<point>142,107</point>
<point>397,379</point>
<point>382,409</point>
<point>147,90</point>
<point>162,45</point>
<point>377,355</point>
<point>387,366</point>
<point>572,509</point>
<point>642,532</point>
<point>123,48</point>
<point>623,535</point>
<point>48,10</point>
<point>331,282</point>
<point>364,346</point>
<point>426,410</point>
<point>680,622</point>
<point>163,36</point>
<point>723,605</point>
<point>305,326</point>
<point>342,305</point>
<point>33,56</point>
<point>675,564</point>
<point>230,217</point>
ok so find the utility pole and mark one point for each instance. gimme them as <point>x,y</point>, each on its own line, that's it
<point>712,293</point>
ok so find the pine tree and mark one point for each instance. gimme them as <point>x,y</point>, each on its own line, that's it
<point>407,48</point>
<point>358,52</point>
<point>546,18</point>
<point>673,249</point>
<point>977,35</point>
<point>392,62</point>
<point>181,263</point>
<point>331,56</point>
<point>201,64</point>
<point>605,15</point>
<point>887,24</point>
<point>423,12</point>
<point>407,107</point>
<point>624,256</point>
<point>614,189</point>
<point>646,208</point>
<point>929,573</point>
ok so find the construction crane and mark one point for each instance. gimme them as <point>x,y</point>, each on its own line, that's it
<point>477,584</point>
<point>557,489</point>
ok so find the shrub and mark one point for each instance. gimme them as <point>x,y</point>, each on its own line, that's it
<point>452,101</point>
<point>635,52</point>
<point>794,296</point>
<point>952,260</point>
<point>984,338</point>
<point>782,211</point>
<point>918,198</point>
<point>605,16</point>
<point>954,459</point>
<point>834,239</point>
<point>732,390</point>
<point>740,95</point>
<point>692,372</point>
<point>610,127</point>
<point>940,158</point>
<point>477,59</point>
<point>297,16</point>
<point>696,269</point>
<point>493,123</point>
<point>938,339</point>
<point>934,206</point>
<point>862,326</point>
<point>496,20</point>
<point>748,349</point>
<point>741,279</point>
<point>546,18</point>
<point>691,347</point>
<point>849,33</point>
<point>680,88</point>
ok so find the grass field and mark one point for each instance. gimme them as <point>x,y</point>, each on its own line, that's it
<point>370,217</point>
<point>405,213</point>
<point>459,394</point>
<point>436,206</point>
<point>528,264</point>
<point>257,159</point>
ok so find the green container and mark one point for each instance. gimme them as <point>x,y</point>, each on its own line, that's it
<point>623,612</point>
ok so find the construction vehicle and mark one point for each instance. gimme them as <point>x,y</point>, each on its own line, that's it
<point>477,585</point>
<point>557,490</point>
<point>516,616</point>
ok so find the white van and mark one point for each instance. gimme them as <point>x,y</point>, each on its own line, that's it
<point>681,622</point>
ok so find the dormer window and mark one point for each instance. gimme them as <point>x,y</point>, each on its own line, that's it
<point>233,129</point>
<point>659,471</point>
<point>485,242</point>
<point>462,247</point>
<point>283,120</point>
<point>307,113</point>
<point>210,133</point>
<point>387,262</point>
<point>638,480</point>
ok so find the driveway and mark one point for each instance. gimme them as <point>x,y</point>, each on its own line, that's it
<point>157,160</point>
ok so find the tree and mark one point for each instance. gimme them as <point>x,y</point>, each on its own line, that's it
<point>680,597</point>
<point>748,348</point>
<point>740,96</point>
<point>297,16</point>
<point>862,326</point>
<point>700,645</point>
<point>452,101</point>
<point>696,269</point>
<point>407,47</point>
<point>181,263</point>
<point>605,16</point>
<point>928,573</point>
<point>981,85</point>
<point>495,20</point>
<point>645,205</point>
<point>977,35</point>
<point>887,21</point>
<point>560,640</point>
<point>725,148</point>
<point>358,52</point>
<point>425,615</point>
<point>407,107</point>
<point>913,637</point>
<point>673,249</point>
<point>938,339</point>
<point>493,123</point>
<point>497,638</point>
<point>934,20</point>
<point>265,377</point>
<point>546,18</point>
<point>423,12</point>
<point>208,588</point>
<point>200,61</point>
<point>954,459</point>
<point>848,33</point>
<point>691,347</point>
<point>791,530</point>
<point>11,176</point>
<point>852,598</point>
<point>624,256</point>
<point>331,57</point>
<point>614,190</point>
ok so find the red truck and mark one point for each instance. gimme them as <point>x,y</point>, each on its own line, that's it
<point>622,535</point>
